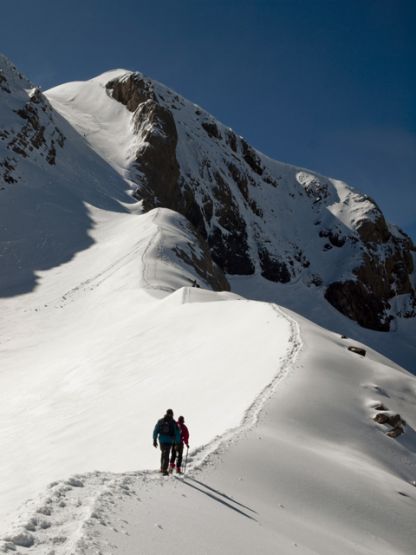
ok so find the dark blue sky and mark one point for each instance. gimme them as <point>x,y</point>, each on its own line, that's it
<point>325,84</point>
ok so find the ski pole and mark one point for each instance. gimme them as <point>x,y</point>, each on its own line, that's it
<point>186,459</point>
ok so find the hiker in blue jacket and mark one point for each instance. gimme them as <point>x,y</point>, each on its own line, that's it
<point>167,431</point>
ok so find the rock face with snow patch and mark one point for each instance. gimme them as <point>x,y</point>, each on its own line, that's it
<point>250,215</point>
<point>33,133</point>
<point>258,215</point>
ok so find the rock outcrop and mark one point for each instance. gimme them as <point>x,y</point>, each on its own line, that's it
<point>261,216</point>
<point>36,133</point>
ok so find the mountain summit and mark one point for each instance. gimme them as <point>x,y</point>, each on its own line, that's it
<point>250,215</point>
<point>145,249</point>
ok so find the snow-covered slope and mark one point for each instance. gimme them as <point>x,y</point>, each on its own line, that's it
<point>259,216</point>
<point>101,332</point>
<point>314,474</point>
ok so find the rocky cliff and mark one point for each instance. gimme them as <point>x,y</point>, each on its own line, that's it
<point>248,214</point>
<point>258,215</point>
<point>33,133</point>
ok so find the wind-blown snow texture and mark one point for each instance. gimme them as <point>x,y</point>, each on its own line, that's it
<point>117,195</point>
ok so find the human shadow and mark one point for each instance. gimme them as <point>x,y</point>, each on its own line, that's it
<point>221,494</point>
<point>220,497</point>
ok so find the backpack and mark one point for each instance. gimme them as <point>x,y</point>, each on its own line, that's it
<point>166,427</point>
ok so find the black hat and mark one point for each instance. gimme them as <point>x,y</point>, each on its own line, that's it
<point>169,412</point>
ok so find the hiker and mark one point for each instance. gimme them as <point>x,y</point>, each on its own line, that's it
<point>167,431</point>
<point>177,449</point>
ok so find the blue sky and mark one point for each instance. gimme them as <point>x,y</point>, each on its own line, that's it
<point>325,84</point>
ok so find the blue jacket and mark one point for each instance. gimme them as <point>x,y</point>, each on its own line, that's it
<point>172,437</point>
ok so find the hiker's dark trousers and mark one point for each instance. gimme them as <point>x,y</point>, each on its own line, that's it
<point>177,452</point>
<point>164,457</point>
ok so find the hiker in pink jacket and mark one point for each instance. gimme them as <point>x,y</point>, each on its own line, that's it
<point>177,449</point>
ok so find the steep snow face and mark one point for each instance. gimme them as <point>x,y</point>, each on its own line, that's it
<point>104,124</point>
<point>55,188</point>
<point>51,180</point>
<point>258,216</point>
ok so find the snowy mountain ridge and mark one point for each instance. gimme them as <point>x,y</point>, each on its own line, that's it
<point>100,331</point>
<point>257,215</point>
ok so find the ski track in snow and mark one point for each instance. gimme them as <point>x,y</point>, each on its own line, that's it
<point>61,521</point>
<point>149,271</point>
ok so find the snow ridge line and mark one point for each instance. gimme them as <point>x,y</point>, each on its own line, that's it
<point>205,454</point>
<point>155,243</point>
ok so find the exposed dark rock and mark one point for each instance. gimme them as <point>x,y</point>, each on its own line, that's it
<point>35,134</point>
<point>374,231</point>
<point>208,209</point>
<point>233,254</point>
<point>30,114</point>
<point>204,266</point>
<point>357,350</point>
<point>231,140</point>
<point>9,168</point>
<point>131,90</point>
<point>316,190</point>
<point>242,182</point>
<point>316,280</point>
<point>335,237</point>
<point>60,139</point>
<point>381,418</point>
<point>22,539</point>
<point>251,158</point>
<point>270,180</point>
<point>3,83</point>
<point>395,432</point>
<point>240,179</point>
<point>300,257</point>
<point>51,155</point>
<point>230,252</point>
<point>272,268</point>
<point>352,299</point>
<point>227,210</point>
<point>379,279</point>
<point>211,129</point>
<point>17,149</point>
<point>394,420</point>
<point>156,157</point>
<point>9,178</point>
<point>189,207</point>
<point>254,208</point>
<point>36,96</point>
<point>38,139</point>
<point>393,270</point>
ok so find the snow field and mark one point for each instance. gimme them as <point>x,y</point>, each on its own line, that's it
<point>315,475</point>
<point>90,360</point>
<point>100,333</point>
